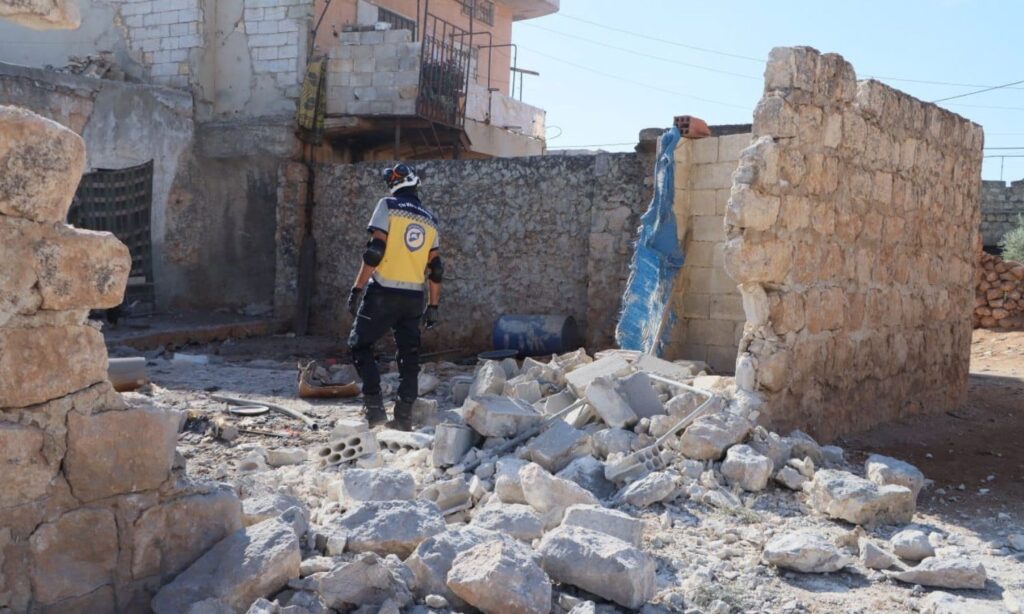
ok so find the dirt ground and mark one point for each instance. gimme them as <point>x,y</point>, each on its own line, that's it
<point>973,455</point>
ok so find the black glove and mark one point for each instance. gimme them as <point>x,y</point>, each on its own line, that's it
<point>354,299</point>
<point>430,316</point>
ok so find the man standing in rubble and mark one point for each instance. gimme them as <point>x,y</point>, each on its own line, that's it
<point>402,254</point>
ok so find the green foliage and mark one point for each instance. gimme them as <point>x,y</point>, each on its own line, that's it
<point>1013,242</point>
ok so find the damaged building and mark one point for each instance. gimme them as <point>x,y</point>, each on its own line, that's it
<point>831,278</point>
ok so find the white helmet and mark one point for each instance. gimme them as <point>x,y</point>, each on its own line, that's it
<point>400,176</point>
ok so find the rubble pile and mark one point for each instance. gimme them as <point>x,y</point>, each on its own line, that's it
<point>93,515</point>
<point>998,293</point>
<point>574,485</point>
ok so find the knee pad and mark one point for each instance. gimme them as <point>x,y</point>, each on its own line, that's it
<point>374,252</point>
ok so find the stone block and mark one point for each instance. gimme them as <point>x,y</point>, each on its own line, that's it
<point>391,527</point>
<point>580,378</point>
<point>119,452</point>
<point>557,446</point>
<point>30,358</point>
<point>588,472</point>
<point>498,576</point>
<point>748,208</point>
<point>250,563</point>
<point>612,441</point>
<point>884,470</point>
<point>281,457</point>
<point>29,472</point>
<point>746,468</point>
<point>507,484</point>
<point>451,442</point>
<point>433,559</point>
<point>498,416</point>
<point>41,163</point>
<point>708,228</point>
<point>704,151</point>
<point>384,484</point>
<point>257,509</point>
<point>806,552</point>
<point>489,379</point>
<point>367,580</point>
<point>603,520</point>
<point>638,391</point>
<point>551,495</point>
<point>842,495</point>
<point>945,572</point>
<point>448,495</point>
<point>730,146</point>
<point>171,536</point>
<point>397,36</point>
<point>519,521</point>
<point>73,555</point>
<point>602,394</point>
<point>710,435</point>
<point>911,545</point>
<point>648,490</point>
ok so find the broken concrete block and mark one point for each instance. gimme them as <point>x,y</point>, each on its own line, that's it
<point>648,490</point>
<point>550,495</point>
<point>384,484</point>
<point>610,367</point>
<point>351,441</point>
<point>451,442</point>
<point>43,162</point>
<point>498,577</point>
<point>600,564</point>
<point>952,572</point>
<point>884,470</point>
<point>528,391</point>
<point>746,468</point>
<point>403,441</point>
<point>681,370</point>
<point>367,580</point>
<point>603,520</point>
<point>639,393</point>
<point>449,495</point>
<point>572,360</point>
<point>710,435</point>
<point>873,557</point>
<point>659,425</point>
<point>806,552</point>
<point>602,395</point>
<point>555,403</point>
<point>519,521</point>
<point>683,404</point>
<point>790,478</point>
<point>911,545</point>
<point>252,562</point>
<point>778,449</point>
<point>507,484</point>
<point>511,368</point>
<point>433,559</point>
<point>460,387</point>
<point>497,416</point>
<point>489,380</point>
<point>612,441</point>
<point>839,494</point>
<point>257,509</point>
<point>392,527</point>
<point>588,472</point>
<point>558,446</point>
<point>280,457</point>
<point>119,452</point>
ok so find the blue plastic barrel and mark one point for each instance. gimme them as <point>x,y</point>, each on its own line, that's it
<point>536,335</point>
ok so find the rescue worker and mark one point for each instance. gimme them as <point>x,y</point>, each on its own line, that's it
<point>402,253</point>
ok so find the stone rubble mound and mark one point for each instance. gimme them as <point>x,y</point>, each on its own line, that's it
<point>506,505</point>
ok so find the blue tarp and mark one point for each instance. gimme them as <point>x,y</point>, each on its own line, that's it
<point>644,323</point>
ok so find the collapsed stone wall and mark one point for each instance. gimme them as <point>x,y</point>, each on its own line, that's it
<point>1002,205</point>
<point>536,235</point>
<point>999,293</point>
<point>705,299</point>
<point>94,516</point>
<point>852,225</point>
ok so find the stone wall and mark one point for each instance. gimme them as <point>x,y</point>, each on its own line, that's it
<point>998,293</point>
<point>851,229</point>
<point>546,234</point>
<point>1002,205</point>
<point>94,517</point>
<point>705,301</point>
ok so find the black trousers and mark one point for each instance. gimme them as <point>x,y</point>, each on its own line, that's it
<point>400,312</point>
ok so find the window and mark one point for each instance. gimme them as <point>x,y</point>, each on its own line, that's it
<point>397,21</point>
<point>484,10</point>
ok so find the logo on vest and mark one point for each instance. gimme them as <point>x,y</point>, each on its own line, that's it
<point>415,236</point>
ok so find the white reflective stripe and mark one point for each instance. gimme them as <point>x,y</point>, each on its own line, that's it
<point>398,285</point>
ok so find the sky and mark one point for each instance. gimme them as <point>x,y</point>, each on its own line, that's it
<point>601,86</point>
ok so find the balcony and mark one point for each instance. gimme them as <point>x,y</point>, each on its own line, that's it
<point>528,9</point>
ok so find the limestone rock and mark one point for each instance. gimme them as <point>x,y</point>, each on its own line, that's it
<point>839,494</point>
<point>550,495</point>
<point>581,377</point>
<point>489,380</point>
<point>790,478</point>
<point>433,559</point>
<point>803,445</point>
<point>41,163</point>
<point>939,602</point>
<point>588,472</point>
<point>710,435</point>
<point>600,564</point>
<point>497,416</point>
<point>281,457</point>
<point>392,527</point>
<point>746,468</point>
<point>603,520</point>
<point>118,452</point>
<point>449,495</point>
<point>604,397</point>
<point>873,557</point>
<point>911,545</point>
<point>806,552</point>
<point>612,441</point>
<point>73,555</point>
<point>498,577</point>
<point>81,268</point>
<point>366,580</point>
<point>953,572</point>
<point>557,446</point>
<point>769,444</point>
<point>519,521</point>
<point>638,391</point>
<point>884,470</point>
<point>29,358</point>
<point>42,14</point>
<point>250,563</point>
<point>507,485</point>
<point>265,507</point>
<point>23,451</point>
<point>648,490</point>
<point>171,536</point>
<point>385,484</point>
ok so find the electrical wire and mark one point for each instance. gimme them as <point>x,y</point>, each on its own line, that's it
<point>981,91</point>
<point>640,83</point>
<point>642,54</point>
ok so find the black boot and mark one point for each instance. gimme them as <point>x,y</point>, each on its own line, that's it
<point>403,416</point>
<point>373,407</point>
